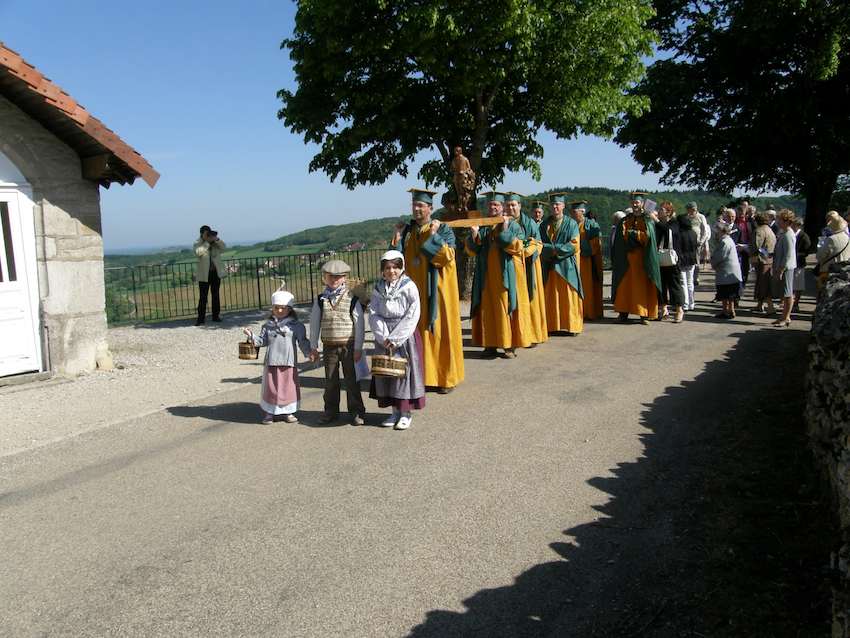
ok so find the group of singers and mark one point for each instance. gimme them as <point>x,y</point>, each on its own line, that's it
<point>535,275</point>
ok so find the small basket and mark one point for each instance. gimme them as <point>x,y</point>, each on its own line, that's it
<point>387,365</point>
<point>247,350</point>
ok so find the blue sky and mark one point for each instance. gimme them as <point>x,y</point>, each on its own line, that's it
<point>192,87</point>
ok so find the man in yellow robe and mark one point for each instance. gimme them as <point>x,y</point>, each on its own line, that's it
<point>500,314</point>
<point>590,267</point>
<point>429,255</point>
<point>562,283</point>
<point>635,277</point>
<point>533,276</point>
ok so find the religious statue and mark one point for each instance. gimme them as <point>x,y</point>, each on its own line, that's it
<point>463,179</point>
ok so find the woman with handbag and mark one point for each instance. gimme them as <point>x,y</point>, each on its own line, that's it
<point>393,316</point>
<point>833,246</point>
<point>762,246</point>
<point>671,293</point>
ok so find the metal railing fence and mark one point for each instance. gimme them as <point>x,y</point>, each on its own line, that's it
<point>159,292</point>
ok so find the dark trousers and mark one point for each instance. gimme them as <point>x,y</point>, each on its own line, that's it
<point>744,259</point>
<point>334,356</point>
<point>204,287</point>
<point>671,293</point>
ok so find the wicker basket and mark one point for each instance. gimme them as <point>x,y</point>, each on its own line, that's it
<point>247,349</point>
<point>387,365</point>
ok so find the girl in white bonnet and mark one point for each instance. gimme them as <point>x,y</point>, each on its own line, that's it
<point>281,335</point>
<point>393,315</point>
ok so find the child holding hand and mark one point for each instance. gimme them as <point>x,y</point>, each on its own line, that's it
<point>337,321</point>
<point>281,335</point>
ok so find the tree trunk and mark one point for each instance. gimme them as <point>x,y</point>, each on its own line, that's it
<point>818,192</point>
<point>465,265</point>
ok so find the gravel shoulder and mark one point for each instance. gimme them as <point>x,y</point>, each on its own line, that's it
<point>157,366</point>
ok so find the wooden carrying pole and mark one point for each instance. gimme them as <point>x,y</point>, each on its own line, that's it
<point>469,219</point>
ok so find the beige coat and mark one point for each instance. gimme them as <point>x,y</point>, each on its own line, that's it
<point>837,244</point>
<point>205,251</point>
<point>762,238</point>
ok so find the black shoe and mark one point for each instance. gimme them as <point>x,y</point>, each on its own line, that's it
<point>623,317</point>
<point>199,322</point>
<point>442,390</point>
<point>217,319</point>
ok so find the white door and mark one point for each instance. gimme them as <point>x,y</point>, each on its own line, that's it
<point>20,349</point>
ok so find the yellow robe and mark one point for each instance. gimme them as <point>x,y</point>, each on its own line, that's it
<point>564,306</point>
<point>592,287</point>
<point>492,327</point>
<point>443,348</point>
<point>637,294</point>
<point>539,330</point>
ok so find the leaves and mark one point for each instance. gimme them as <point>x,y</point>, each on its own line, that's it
<point>380,82</point>
<point>747,94</point>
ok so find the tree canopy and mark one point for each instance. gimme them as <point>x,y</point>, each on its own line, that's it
<point>381,81</point>
<point>748,94</point>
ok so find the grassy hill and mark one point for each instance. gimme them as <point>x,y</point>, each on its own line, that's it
<point>375,233</point>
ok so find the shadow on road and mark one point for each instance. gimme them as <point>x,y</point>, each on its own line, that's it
<point>241,412</point>
<point>717,530</point>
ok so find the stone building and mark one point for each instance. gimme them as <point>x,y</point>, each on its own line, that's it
<point>54,157</point>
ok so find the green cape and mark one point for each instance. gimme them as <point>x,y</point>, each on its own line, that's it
<point>503,238</point>
<point>620,263</point>
<point>560,254</point>
<point>532,231</point>
<point>431,246</point>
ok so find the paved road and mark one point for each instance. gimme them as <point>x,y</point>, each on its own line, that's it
<point>197,521</point>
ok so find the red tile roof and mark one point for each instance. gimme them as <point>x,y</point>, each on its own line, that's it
<point>27,88</point>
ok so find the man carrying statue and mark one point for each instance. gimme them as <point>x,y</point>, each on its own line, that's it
<point>429,256</point>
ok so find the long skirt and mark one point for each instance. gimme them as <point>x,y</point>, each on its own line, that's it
<point>279,392</point>
<point>403,393</point>
<point>761,291</point>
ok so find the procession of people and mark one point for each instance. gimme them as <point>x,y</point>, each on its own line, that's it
<point>535,275</point>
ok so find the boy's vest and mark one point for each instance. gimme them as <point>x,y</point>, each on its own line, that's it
<point>337,326</point>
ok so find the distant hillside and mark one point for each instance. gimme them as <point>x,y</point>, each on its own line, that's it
<point>375,233</point>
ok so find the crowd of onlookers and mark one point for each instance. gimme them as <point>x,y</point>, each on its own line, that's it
<point>769,245</point>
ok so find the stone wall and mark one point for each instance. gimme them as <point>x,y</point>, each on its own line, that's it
<point>828,420</point>
<point>69,245</point>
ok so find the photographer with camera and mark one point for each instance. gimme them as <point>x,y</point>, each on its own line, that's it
<point>208,272</point>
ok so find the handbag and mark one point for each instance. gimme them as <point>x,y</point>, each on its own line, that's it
<point>667,256</point>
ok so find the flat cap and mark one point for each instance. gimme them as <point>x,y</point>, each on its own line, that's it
<point>336,267</point>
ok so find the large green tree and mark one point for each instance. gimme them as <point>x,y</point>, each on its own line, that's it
<point>748,94</point>
<point>380,81</point>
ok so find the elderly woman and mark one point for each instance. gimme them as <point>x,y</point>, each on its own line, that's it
<point>802,248</point>
<point>784,264</point>
<point>727,270</point>
<point>667,236</point>
<point>833,246</point>
<point>762,245</point>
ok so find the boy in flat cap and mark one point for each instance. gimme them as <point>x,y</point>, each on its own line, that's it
<point>428,247</point>
<point>337,320</point>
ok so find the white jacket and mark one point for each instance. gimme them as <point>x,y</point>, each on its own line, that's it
<point>205,251</point>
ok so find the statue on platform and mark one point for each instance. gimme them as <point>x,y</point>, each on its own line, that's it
<point>463,179</point>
